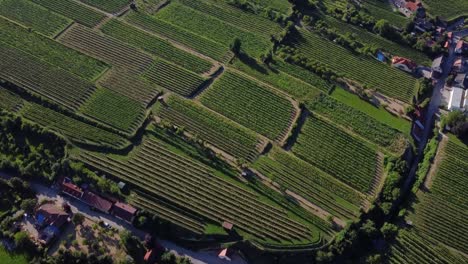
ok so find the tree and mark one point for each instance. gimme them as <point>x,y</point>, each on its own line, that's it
<point>28,205</point>
<point>389,230</point>
<point>21,238</point>
<point>383,28</point>
<point>78,219</point>
<point>368,229</point>
<point>236,46</point>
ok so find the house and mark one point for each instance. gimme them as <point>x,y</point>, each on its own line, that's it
<point>228,225</point>
<point>458,65</point>
<point>404,64</point>
<point>456,101</point>
<point>412,6</point>
<point>460,81</point>
<point>51,219</point>
<point>97,202</point>
<point>461,47</point>
<point>124,211</point>
<point>437,67</point>
<point>72,190</point>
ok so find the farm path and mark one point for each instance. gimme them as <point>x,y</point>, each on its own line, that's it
<point>435,165</point>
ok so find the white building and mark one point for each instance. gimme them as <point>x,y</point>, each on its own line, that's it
<point>457,99</point>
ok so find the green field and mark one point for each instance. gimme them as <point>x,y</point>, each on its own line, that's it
<point>196,42</point>
<point>448,9</point>
<point>381,9</point>
<point>111,6</point>
<point>155,45</point>
<point>360,123</point>
<point>115,110</point>
<point>50,51</point>
<point>160,170</point>
<point>338,153</point>
<point>207,125</point>
<point>71,128</point>
<point>71,9</point>
<point>279,5</point>
<point>306,180</point>
<point>211,27</point>
<point>365,70</point>
<point>7,258</point>
<point>33,16</point>
<point>441,214</point>
<point>250,104</point>
<point>9,101</point>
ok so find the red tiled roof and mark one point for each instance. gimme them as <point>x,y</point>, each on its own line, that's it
<point>413,6</point>
<point>72,189</point>
<point>52,214</point>
<point>124,211</point>
<point>97,202</point>
<point>400,60</point>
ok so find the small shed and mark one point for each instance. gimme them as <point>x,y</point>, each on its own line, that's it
<point>228,225</point>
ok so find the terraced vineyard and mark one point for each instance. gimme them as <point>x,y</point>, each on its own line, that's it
<point>189,185</point>
<point>221,31</point>
<point>449,9</point>
<point>33,16</point>
<point>40,78</point>
<point>111,6</point>
<point>9,101</point>
<point>213,128</point>
<point>115,110</point>
<point>359,123</point>
<point>316,186</point>
<point>50,51</point>
<point>72,129</point>
<point>71,9</point>
<point>196,42</point>
<point>339,154</point>
<point>367,71</point>
<point>442,214</point>
<point>155,45</point>
<point>250,104</point>
<point>382,9</point>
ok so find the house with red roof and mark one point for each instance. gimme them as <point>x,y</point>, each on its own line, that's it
<point>404,64</point>
<point>72,190</point>
<point>97,202</point>
<point>124,211</point>
<point>50,219</point>
<point>461,47</point>
<point>413,6</point>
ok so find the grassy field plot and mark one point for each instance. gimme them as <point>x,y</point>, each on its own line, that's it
<point>216,130</point>
<point>155,45</point>
<point>71,9</point>
<point>212,28</point>
<point>337,153</point>
<point>115,110</point>
<point>50,51</point>
<point>250,104</point>
<point>270,74</point>
<point>306,180</point>
<point>8,258</point>
<point>9,101</point>
<point>111,6</point>
<point>382,9</point>
<point>365,70</point>
<point>51,83</point>
<point>34,16</point>
<point>441,214</point>
<point>162,172</point>
<point>71,128</point>
<point>359,123</point>
<point>448,9</point>
<point>196,42</point>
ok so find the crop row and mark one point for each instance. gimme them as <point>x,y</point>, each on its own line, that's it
<point>337,153</point>
<point>236,17</point>
<point>211,127</point>
<point>315,186</point>
<point>456,150</point>
<point>71,9</point>
<point>34,75</point>
<point>71,128</point>
<point>9,101</point>
<point>155,45</point>
<point>173,78</point>
<point>365,70</point>
<point>168,213</point>
<point>410,247</point>
<point>115,110</point>
<point>34,16</point>
<point>358,122</point>
<point>50,51</point>
<point>196,42</point>
<point>111,6</point>
<point>384,10</point>
<point>250,104</point>
<point>187,184</point>
<point>212,28</point>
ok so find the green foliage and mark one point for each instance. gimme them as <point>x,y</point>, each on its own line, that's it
<point>110,6</point>
<point>21,238</point>
<point>250,104</point>
<point>449,9</point>
<point>78,219</point>
<point>33,16</point>
<point>73,10</point>
<point>337,153</point>
<point>28,205</point>
<point>389,230</point>
<point>425,165</point>
<point>457,122</point>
